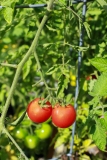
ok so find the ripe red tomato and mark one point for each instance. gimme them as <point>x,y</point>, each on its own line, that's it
<point>63,117</point>
<point>37,113</point>
<point>91,77</point>
<point>44,132</point>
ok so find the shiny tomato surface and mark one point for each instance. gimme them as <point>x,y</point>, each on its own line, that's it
<point>38,113</point>
<point>63,116</point>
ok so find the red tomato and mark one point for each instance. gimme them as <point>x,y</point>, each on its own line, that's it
<point>91,77</point>
<point>37,113</point>
<point>63,117</point>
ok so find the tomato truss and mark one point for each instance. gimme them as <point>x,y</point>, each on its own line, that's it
<point>79,59</point>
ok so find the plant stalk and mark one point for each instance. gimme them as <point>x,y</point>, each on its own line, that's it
<point>14,142</point>
<point>24,60</point>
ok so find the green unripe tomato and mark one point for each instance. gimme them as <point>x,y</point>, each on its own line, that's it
<point>31,141</point>
<point>44,132</point>
<point>20,133</point>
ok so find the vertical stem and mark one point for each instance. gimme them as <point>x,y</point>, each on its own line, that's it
<point>78,76</point>
<point>23,61</point>
<point>17,74</point>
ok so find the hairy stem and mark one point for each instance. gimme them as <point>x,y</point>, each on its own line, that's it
<point>23,61</point>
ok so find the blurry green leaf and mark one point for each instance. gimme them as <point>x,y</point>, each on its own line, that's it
<point>3,154</point>
<point>19,119</point>
<point>60,140</point>
<point>52,69</point>
<point>100,86</point>
<point>47,44</point>
<point>85,86</point>
<point>91,84</point>
<point>8,14</point>
<point>51,29</point>
<point>26,68</point>
<point>6,40</point>
<point>94,101</point>
<point>103,121</point>
<point>103,3</point>
<point>68,98</point>
<point>99,63</point>
<point>99,136</point>
<point>18,31</point>
<point>87,142</point>
<point>84,157</point>
<point>94,11</point>
<point>62,84</point>
<point>8,2</point>
<point>88,29</point>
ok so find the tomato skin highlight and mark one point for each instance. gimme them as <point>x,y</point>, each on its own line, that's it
<point>20,133</point>
<point>37,113</point>
<point>63,117</point>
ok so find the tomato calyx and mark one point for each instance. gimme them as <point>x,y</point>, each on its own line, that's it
<point>44,103</point>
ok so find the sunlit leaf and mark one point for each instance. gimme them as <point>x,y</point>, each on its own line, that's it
<point>99,136</point>
<point>100,86</point>
<point>99,63</point>
<point>8,14</point>
<point>88,29</point>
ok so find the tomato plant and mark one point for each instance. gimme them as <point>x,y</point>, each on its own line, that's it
<point>44,132</point>
<point>63,116</point>
<point>20,133</point>
<point>38,113</point>
<point>31,141</point>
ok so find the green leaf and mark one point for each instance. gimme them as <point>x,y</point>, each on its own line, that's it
<point>94,101</point>
<point>100,87</point>
<point>45,45</point>
<point>52,70</point>
<point>26,68</point>
<point>51,29</point>
<point>103,121</point>
<point>19,119</point>
<point>8,14</point>
<point>91,84</point>
<point>94,11</point>
<point>99,63</point>
<point>103,4</point>
<point>99,136</point>
<point>88,29</point>
<point>62,84</point>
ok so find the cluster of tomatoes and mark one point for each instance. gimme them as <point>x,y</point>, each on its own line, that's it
<point>33,140</point>
<point>62,116</point>
<point>72,79</point>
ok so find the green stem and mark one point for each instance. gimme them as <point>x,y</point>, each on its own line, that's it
<point>23,61</point>
<point>14,142</point>
<point>41,72</point>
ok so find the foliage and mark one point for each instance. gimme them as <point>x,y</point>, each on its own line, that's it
<point>54,77</point>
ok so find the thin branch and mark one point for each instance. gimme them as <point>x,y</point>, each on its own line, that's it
<point>9,65</point>
<point>23,61</point>
<point>14,142</point>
